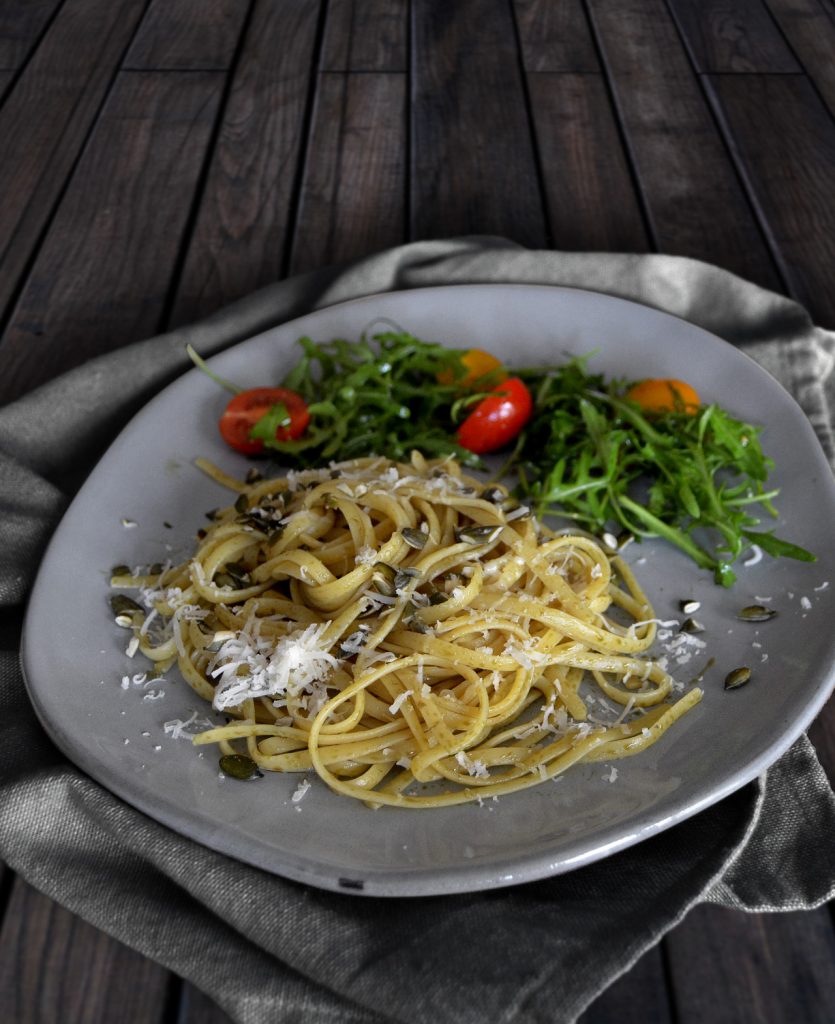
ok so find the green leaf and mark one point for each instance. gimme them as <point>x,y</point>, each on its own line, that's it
<point>778,548</point>
<point>270,423</point>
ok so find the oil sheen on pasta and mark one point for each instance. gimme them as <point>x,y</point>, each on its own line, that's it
<point>415,638</point>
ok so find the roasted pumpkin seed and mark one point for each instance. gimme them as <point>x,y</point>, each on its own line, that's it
<point>756,613</point>
<point>239,766</point>
<point>739,677</point>
<point>414,538</point>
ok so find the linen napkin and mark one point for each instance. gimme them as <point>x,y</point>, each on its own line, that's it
<point>267,949</point>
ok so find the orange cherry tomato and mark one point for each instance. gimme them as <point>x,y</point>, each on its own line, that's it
<point>247,407</point>
<point>497,419</point>
<point>664,395</point>
<point>477,363</point>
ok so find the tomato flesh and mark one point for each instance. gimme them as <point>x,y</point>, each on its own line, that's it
<point>497,419</point>
<point>247,407</point>
<point>477,364</point>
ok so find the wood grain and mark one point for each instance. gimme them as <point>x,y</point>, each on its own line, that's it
<point>590,196</point>
<point>46,118</point>
<point>241,235</point>
<point>555,36</point>
<point>103,273</point>
<point>638,997</point>
<point>809,26</point>
<point>732,36</point>
<point>784,142</point>
<point>695,203</point>
<point>366,35</point>
<point>473,168</point>
<point>21,24</point>
<point>353,197</point>
<point>55,967</point>
<point>769,968</point>
<point>188,35</point>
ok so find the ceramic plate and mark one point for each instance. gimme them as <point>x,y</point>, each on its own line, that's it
<point>75,661</point>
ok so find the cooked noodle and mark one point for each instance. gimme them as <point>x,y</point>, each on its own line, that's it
<point>417,639</point>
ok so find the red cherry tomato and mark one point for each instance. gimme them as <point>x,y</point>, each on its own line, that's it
<point>247,407</point>
<point>496,420</point>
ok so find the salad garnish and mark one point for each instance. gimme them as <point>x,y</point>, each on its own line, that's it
<point>644,457</point>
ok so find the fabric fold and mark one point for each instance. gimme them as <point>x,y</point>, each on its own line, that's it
<point>265,948</point>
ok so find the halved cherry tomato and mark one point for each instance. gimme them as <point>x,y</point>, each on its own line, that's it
<point>664,395</point>
<point>496,420</point>
<point>477,363</point>
<point>247,407</point>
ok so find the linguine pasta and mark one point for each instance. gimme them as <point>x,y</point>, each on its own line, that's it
<point>415,638</point>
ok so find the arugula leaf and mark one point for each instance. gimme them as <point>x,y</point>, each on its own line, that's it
<point>270,423</point>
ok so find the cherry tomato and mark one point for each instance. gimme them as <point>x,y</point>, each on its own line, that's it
<point>496,420</point>
<point>477,363</point>
<point>247,407</point>
<point>663,395</point>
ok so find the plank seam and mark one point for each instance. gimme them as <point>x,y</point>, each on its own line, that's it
<point>537,155</point>
<point>205,167</point>
<point>14,296</point>
<point>726,141</point>
<point>18,71</point>
<point>620,128</point>
<point>304,144</point>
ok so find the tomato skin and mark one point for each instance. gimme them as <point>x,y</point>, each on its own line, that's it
<point>477,363</point>
<point>247,407</point>
<point>663,394</point>
<point>497,419</point>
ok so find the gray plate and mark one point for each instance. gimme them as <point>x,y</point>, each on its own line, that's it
<point>74,656</point>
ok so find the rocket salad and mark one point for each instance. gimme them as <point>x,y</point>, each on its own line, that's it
<point>644,456</point>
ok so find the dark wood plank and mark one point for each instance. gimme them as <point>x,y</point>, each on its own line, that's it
<point>809,25</point>
<point>639,997</point>
<point>591,199</point>
<point>729,967</point>
<point>55,967</point>
<point>188,35</point>
<point>555,37</point>
<point>21,24</point>
<point>353,197</point>
<point>694,200</point>
<point>197,1008</point>
<point>5,80</point>
<point>103,274</point>
<point>732,36</point>
<point>241,234</point>
<point>45,120</point>
<point>784,141</point>
<point>822,735</point>
<point>473,167</point>
<point>366,35</point>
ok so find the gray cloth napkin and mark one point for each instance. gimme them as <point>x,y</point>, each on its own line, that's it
<point>267,949</point>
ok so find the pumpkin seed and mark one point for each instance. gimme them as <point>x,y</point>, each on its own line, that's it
<point>403,577</point>
<point>691,626</point>
<point>121,570</point>
<point>495,495</point>
<point>739,677</point>
<point>437,597</point>
<point>414,538</point>
<point>239,766</point>
<point>241,505</point>
<point>479,534</point>
<point>383,575</point>
<point>253,476</point>
<point>124,605</point>
<point>688,607</point>
<point>413,620</point>
<point>624,538</point>
<point>756,613</point>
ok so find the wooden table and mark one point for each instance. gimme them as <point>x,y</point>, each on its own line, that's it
<point>159,159</point>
